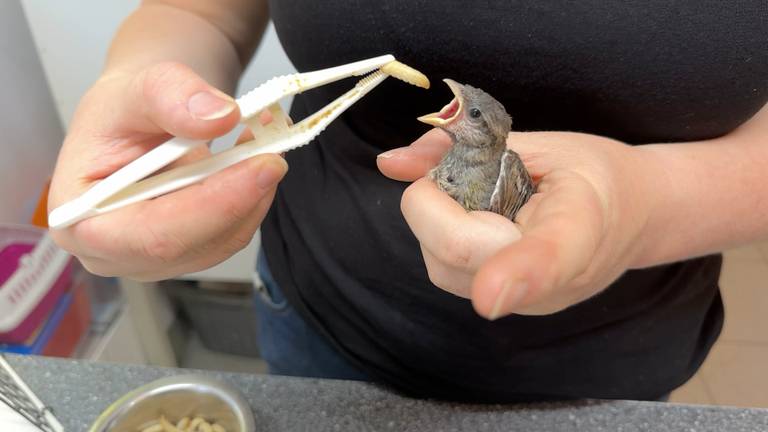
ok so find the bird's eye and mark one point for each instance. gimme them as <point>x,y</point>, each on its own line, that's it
<point>474,113</point>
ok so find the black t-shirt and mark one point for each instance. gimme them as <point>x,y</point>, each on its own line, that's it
<point>639,71</point>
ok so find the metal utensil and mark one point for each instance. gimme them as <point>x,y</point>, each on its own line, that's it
<point>177,397</point>
<point>15,393</point>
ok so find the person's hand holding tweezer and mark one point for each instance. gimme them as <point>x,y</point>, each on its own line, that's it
<point>192,216</point>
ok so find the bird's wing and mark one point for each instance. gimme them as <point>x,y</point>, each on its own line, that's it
<point>513,187</point>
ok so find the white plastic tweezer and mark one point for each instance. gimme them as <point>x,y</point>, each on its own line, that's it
<point>130,184</point>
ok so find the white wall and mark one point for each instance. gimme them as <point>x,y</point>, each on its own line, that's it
<point>73,36</point>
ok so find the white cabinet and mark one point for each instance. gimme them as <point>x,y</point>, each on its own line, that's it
<point>30,131</point>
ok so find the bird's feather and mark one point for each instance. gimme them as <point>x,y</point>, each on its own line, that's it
<point>513,188</point>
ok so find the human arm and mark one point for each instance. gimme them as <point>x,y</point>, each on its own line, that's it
<point>603,207</point>
<point>715,194</point>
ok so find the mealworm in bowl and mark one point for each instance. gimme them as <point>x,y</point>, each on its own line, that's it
<point>187,424</point>
<point>185,403</point>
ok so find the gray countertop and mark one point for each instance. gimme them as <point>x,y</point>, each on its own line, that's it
<point>79,391</point>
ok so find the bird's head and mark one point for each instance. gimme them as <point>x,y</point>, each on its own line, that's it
<point>473,117</point>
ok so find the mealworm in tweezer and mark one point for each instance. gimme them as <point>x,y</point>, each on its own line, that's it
<point>406,73</point>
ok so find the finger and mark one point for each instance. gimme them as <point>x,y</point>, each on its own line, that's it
<point>220,249</point>
<point>456,238</point>
<point>238,237</point>
<point>437,221</point>
<point>120,120</point>
<point>560,240</point>
<point>196,154</point>
<point>216,251</point>
<point>414,161</point>
<point>546,152</point>
<point>265,118</point>
<point>245,136</point>
<point>166,228</point>
<point>450,279</point>
<point>170,97</point>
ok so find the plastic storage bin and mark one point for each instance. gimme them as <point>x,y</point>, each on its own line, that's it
<point>37,343</point>
<point>63,330</point>
<point>75,323</point>
<point>34,274</point>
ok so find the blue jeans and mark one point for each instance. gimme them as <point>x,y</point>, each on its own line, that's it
<point>287,343</point>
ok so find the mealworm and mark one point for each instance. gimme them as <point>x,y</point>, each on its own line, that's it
<point>183,423</point>
<point>406,73</point>
<point>195,423</point>
<point>167,426</point>
<point>157,427</point>
<point>198,424</point>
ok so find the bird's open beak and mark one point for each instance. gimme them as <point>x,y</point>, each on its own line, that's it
<point>450,112</point>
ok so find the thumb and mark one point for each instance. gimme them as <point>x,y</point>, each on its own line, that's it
<point>171,97</point>
<point>414,161</point>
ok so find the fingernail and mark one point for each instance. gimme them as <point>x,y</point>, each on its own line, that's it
<point>207,105</point>
<point>510,293</point>
<point>271,172</point>
<point>390,153</point>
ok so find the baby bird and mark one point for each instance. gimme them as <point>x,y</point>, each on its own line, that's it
<point>479,171</point>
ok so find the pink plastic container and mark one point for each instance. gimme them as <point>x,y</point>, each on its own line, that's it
<point>34,273</point>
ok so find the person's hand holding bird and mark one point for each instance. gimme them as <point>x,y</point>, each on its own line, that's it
<point>579,232</point>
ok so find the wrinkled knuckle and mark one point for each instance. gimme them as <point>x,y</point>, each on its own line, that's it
<point>164,71</point>
<point>438,277</point>
<point>89,239</point>
<point>89,235</point>
<point>454,251</point>
<point>162,247</point>
<point>448,280</point>
<point>236,212</point>
<point>159,77</point>
<point>238,242</point>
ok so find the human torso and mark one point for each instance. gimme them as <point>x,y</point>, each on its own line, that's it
<point>641,72</point>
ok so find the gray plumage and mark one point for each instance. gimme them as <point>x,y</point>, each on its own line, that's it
<point>479,172</point>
